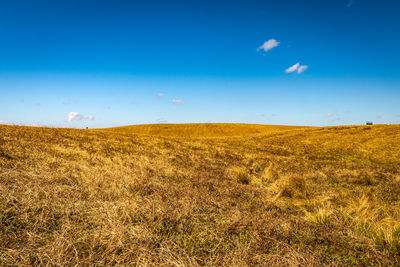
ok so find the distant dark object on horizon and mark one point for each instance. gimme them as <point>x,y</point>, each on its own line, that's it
<point>87,127</point>
<point>369,123</point>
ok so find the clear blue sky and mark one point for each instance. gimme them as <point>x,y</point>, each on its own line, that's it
<point>115,63</point>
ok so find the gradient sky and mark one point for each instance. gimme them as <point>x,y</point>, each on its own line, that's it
<point>115,63</point>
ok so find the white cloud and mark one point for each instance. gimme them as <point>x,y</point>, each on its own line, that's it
<point>3,122</point>
<point>293,68</point>
<point>268,45</point>
<point>178,101</point>
<point>328,114</point>
<point>75,116</point>
<point>302,69</point>
<point>297,67</point>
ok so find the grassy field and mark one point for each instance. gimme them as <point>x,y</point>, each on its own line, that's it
<point>201,130</point>
<point>200,194</point>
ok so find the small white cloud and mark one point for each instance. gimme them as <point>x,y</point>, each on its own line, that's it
<point>302,69</point>
<point>178,101</point>
<point>293,68</point>
<point>3,122</point>
<point>297,67</point>
<point>75,116</point>
<point>328,114</point>
<point>268,45</point>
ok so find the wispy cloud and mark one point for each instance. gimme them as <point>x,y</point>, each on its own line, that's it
<point>75,116</point>
<point>297,67</point>
<point>350,3</point>
<point>161,120</point>
<point>293,68</point>
<point>302,69</point>
<point>178,101</point>
<point>160,96</point>
<point>328,114</point>
<point>3,122</point>
<point>268,45</point>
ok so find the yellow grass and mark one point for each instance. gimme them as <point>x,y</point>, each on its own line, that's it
<point>200,194</point>
<point>202,130</point>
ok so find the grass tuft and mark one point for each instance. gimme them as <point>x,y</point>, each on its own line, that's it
<point>292,186</point>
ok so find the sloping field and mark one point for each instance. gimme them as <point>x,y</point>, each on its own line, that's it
<point>134,196</point>
<point>202,130</point>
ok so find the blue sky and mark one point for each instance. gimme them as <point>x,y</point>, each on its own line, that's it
<point>110,63</point>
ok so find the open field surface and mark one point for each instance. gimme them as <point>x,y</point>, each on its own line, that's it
<point>202,130</point>
<point>225,194</point>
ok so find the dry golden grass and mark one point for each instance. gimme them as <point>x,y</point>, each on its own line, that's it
<point>224,194</point>
<point>202,130</point>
